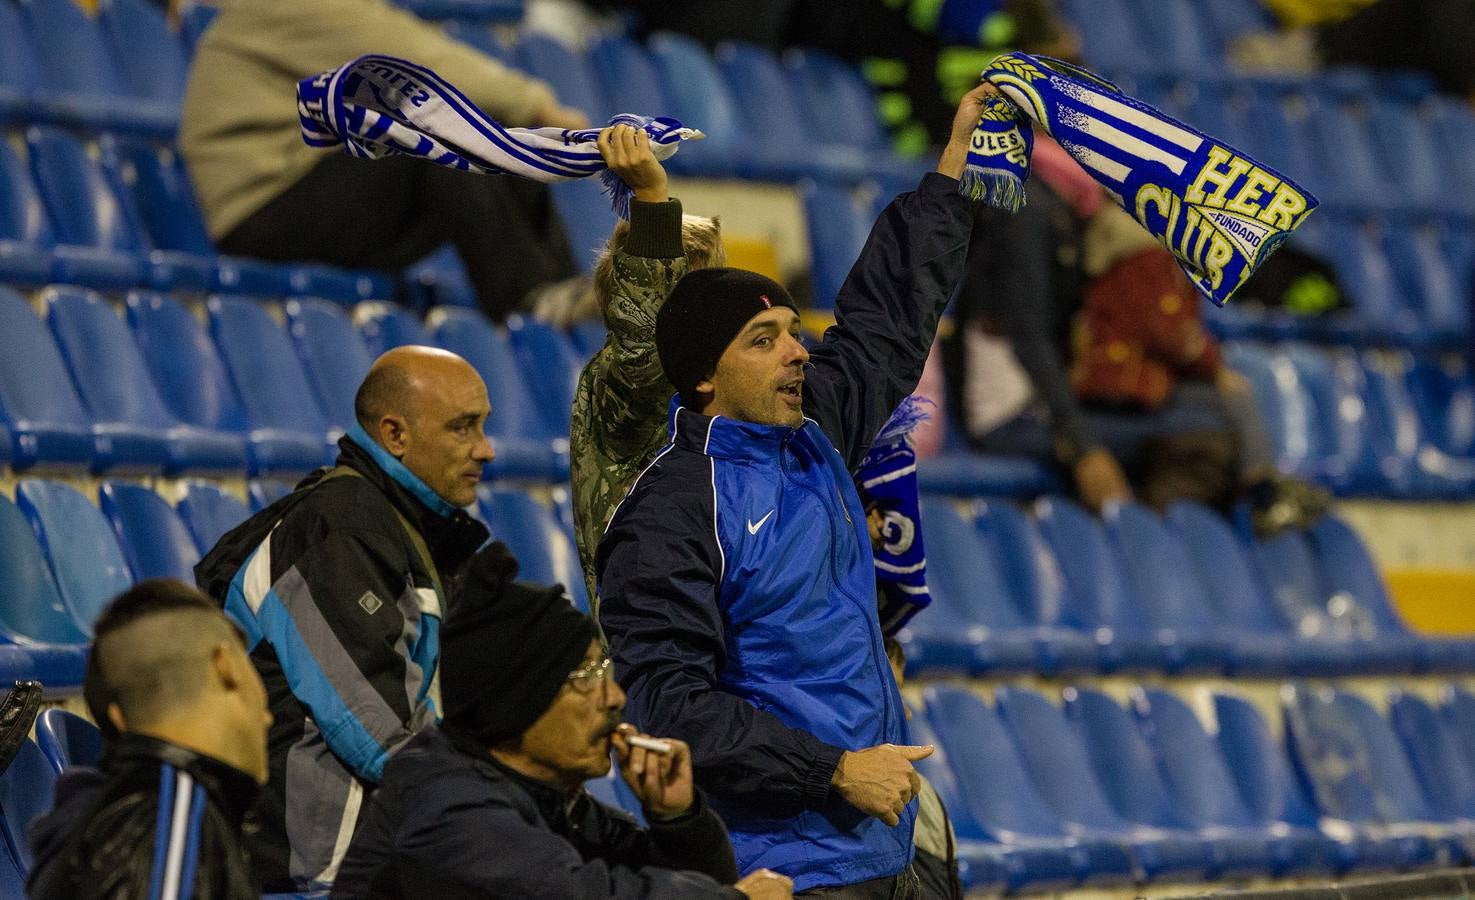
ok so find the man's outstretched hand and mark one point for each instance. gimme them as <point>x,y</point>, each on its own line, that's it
<point>880,781</point>
<point>626,150</point>
<point>955,155</point>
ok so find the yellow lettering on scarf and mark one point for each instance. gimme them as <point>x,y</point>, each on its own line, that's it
<point>1201,245</point>
<point>1249,200</point>
<point>1220,253</point>
<point>1214,175</point>
<point>1285,207</point>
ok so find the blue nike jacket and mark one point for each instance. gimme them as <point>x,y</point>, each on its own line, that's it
<point>738,589</point>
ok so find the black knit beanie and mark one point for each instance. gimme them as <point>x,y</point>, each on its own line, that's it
<point>506,649</point>
<point>705,311</point>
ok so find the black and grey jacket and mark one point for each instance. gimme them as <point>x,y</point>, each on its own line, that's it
<point>451,822</point>
<point>155,820</point>
<point>342,616</point>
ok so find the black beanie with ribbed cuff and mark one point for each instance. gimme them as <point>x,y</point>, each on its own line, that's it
<point>705,311</point>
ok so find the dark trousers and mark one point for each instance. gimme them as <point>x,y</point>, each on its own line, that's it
<point>388,213</point>
<point>905,886</point>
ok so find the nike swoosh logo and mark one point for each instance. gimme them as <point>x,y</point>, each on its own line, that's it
<point>754,526</point>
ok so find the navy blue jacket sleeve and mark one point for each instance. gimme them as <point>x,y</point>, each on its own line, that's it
<point>660,574</point>
<point>886,314</point>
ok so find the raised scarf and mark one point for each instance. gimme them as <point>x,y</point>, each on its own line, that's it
<point>377,106</point>
<point>1218,211</point>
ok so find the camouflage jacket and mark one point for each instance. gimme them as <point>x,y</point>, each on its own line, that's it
<point>619,417</point>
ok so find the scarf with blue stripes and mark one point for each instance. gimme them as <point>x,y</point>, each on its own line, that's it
<point>377,106</point>
<point>887,481</point>
<point>1218,211</point>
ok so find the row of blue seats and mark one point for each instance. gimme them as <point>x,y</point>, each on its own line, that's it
<point>160,393</point>
<point>1381,424</point>
<point>1061,592</point>
<point>1085,791</point>
<point>62,557</point>
<point>155,391</point>
<point>118,212</point>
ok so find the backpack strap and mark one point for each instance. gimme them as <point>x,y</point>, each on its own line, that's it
<point>412,534</point>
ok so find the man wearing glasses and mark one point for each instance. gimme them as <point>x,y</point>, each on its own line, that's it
<point>491,803</point>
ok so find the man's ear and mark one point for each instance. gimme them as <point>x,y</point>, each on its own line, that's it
<point>115,715</point>
<point>223,664</point>
<point>706,390</point>
<point>394,435</point>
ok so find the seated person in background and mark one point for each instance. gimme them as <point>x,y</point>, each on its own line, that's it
<point>623,397</point>
<point>492,802</point>
<point>185,718</point>
<point>264,193</point>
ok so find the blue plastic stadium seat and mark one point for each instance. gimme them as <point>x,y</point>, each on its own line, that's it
<point>1457,709</point>
<point>1261,641</point>
<point>1199,778</point>
<point>983,864</point>
<point>117,390</point>
<point>31,609</point>
<point>588,337</point>
<point>333,355</point>
<point>1351,456</point>
<point>526,445</point>
<point>975,613</point>
<point>146,51</point>
<point>86,561</point>
<point>1167,592</point>
<point>188,372</point>
<point>155,542</point>
<point>629,78</point>
<point>26,789</point>
<point>541,348</point>
<point>1357,772</point>
<point>26,237</point>
<point>263,492</point>
<point>1420,258</point>
<point>543,549</point>
<point>477,35</point>
<point>1349,158</point>
<point>1401,436</point>
<point>839,221</point>
<point>75,59</point>
<point>98,244</point>
<point>385,326</point>
<point>1300,590</point>
<point>768,102</point>
<point>587,218</point>
<point>151,178</point>
<point>997,790</point>
<point>698,96</point>
<point>1112,36</point>
<point>38,404</point>
<point>209,512</point>
<point>570,75</point>
<point>1129,774</point>
<point>1100,594</point>
<point>1361,261</point>
<point>67,739</point>
<point>267,374</point>
<point>1435,754</point>
<point>1036,582</point>
<point>1352,575</point>
<point>1179,33</point>
<point>194,19</point>
<point>1286,407</point>
<point>1275,794</point>
<point>1443,392</point>
<point>1058,761</point>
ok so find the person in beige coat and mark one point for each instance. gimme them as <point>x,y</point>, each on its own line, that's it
<point>266,194</point>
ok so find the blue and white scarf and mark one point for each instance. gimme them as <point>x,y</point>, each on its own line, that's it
<point>377,106</point>
<point>1218,211</point>
<point>887,480</point>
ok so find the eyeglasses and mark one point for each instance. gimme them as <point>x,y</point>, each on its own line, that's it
<point>586,677</point>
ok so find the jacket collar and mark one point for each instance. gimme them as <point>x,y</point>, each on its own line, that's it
<point>233,790</point>
<point>724,438</point>
<point>450,533</point>
<point>554,803</point>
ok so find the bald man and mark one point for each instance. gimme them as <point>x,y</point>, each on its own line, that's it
<point>339,588</point>
<point>185,717</point>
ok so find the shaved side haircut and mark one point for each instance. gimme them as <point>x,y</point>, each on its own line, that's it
<point>150,651</point>
<point>388,388</point>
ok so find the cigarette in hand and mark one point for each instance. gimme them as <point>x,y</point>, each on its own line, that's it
<point>650,744</point>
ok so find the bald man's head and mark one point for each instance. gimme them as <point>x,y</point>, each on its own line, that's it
<point>428,408</point>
